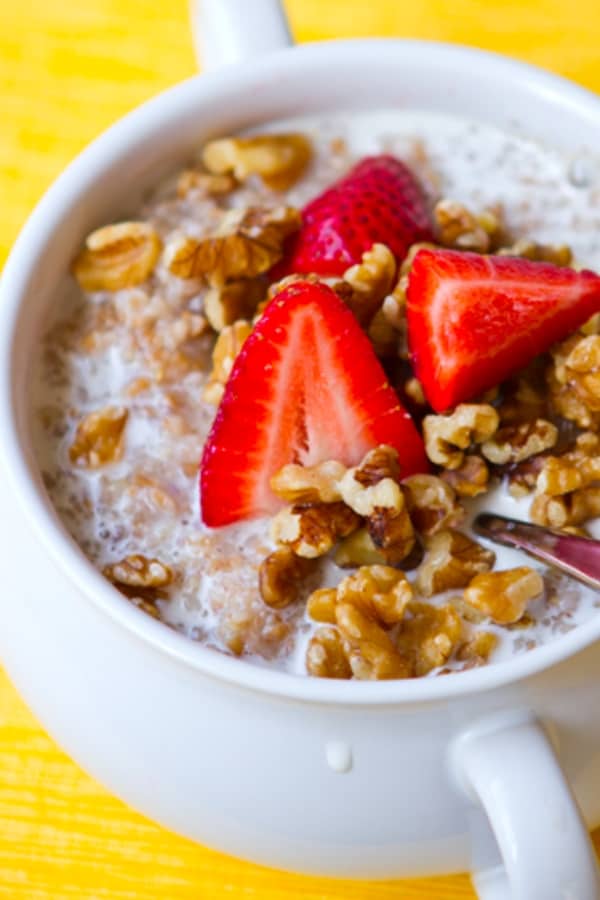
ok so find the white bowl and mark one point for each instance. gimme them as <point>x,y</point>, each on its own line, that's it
<point>341,778</point>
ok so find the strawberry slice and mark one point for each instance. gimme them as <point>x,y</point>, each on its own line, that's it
<point>306,387</point>
<point>379,201</point>
<point>474,320</point>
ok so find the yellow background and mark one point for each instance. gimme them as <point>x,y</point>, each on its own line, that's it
<point>68,68</point>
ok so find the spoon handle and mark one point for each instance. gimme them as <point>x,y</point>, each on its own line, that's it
<point>577,556</point>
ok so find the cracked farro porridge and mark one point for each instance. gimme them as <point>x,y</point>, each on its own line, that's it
<point>357,559</point>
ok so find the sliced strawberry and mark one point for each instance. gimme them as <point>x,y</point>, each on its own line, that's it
<point>306,387</point>
<point>379,201</point>
<point>474,320</point>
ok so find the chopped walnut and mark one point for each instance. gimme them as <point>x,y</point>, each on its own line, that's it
<point>205,183</point>
<point>514,443</point>
<point>431,503</point>
<point>377,464</point>
<point>312,531</point>
<point>503,596</point>
<point>575,508</point>
<point>371,280</point>
<point>574,380</point>
<point>560,255</point>
<point>579,468</point>
<point>99,438</point>
<point>281,577</point>
<point>458,228</point>
<point>583,370</point>
<point>359,549</point>
<point>279,159</point>
<point>371,661</point>
<point>478,649</point>
<point>137,571</point>
<point>383,507</point>
<point>228,345</point>
<point>522,477</point>
<point>446,437</point>
<point>428,636</point>
<point>320,606</point>
<point>309,484</point>
<point>326,656</point>
<point>381,592</point>
<point>237,300</point>
<point>367,604</point>
<point>248,243</point>
<point>414,391</point>
<point>470,479</point>
<point>451,561</point>
<point>117,256</point>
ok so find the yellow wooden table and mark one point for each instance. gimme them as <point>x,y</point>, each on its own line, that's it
<point>67,70</point>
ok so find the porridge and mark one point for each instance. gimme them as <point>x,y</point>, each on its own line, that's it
<point>364,414</point>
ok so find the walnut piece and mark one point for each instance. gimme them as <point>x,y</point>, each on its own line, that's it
<point>432,504</point>
<point>248,242</point>
<point>383,507</point>
<point>515,443</point>
<point>204,183</point>
<point>311,531</point>
<point>137,571</point>
<point>503,596</point>
<point>309,484</point>
<point>575,508</point>
<point>446,437</point>
<point>326,656</point>
<point>574,380</point>
<point>559,255</point>
<point>451,561</point>
<point>320,606</point>
<point>371,280</point>
<point>99,438</point>
<point>227,346</point>
<point>233,301</point>
<point>281,576</point>
<point>381,592</point>
<point>470,479</point>
<point>460,229</point>
<point>477,649</point>
<point>279,159</point>
<point>359,549</point>
<point>428,636</point>
<point>117,256</point>
<point>578,468</point>
<point>364,606</point>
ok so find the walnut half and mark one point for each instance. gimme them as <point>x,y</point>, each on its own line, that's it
<point>447,437</point>
<point>247,244</point>
<point>279,159</point>
<point>451,561</point>
<point>117,256</point>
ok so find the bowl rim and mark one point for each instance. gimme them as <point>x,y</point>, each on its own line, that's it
<point>46,527</point>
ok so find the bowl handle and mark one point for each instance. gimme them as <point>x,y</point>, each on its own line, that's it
<point>507,765</point>
<point>231,31</point>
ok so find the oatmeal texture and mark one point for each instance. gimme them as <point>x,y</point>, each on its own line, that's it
<point>362,574</point>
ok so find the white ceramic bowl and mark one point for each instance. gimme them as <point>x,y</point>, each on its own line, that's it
<point>355,779</point>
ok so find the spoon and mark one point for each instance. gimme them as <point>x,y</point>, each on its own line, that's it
<point>577,556</point>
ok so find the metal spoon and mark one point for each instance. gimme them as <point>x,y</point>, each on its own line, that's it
<point>577,556</point>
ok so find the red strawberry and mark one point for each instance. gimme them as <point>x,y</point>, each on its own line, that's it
<point>306,387</point>
<point>474,320</point>
<point>379,201</point>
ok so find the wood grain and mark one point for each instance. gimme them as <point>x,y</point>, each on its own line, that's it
<point>67,70</point>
